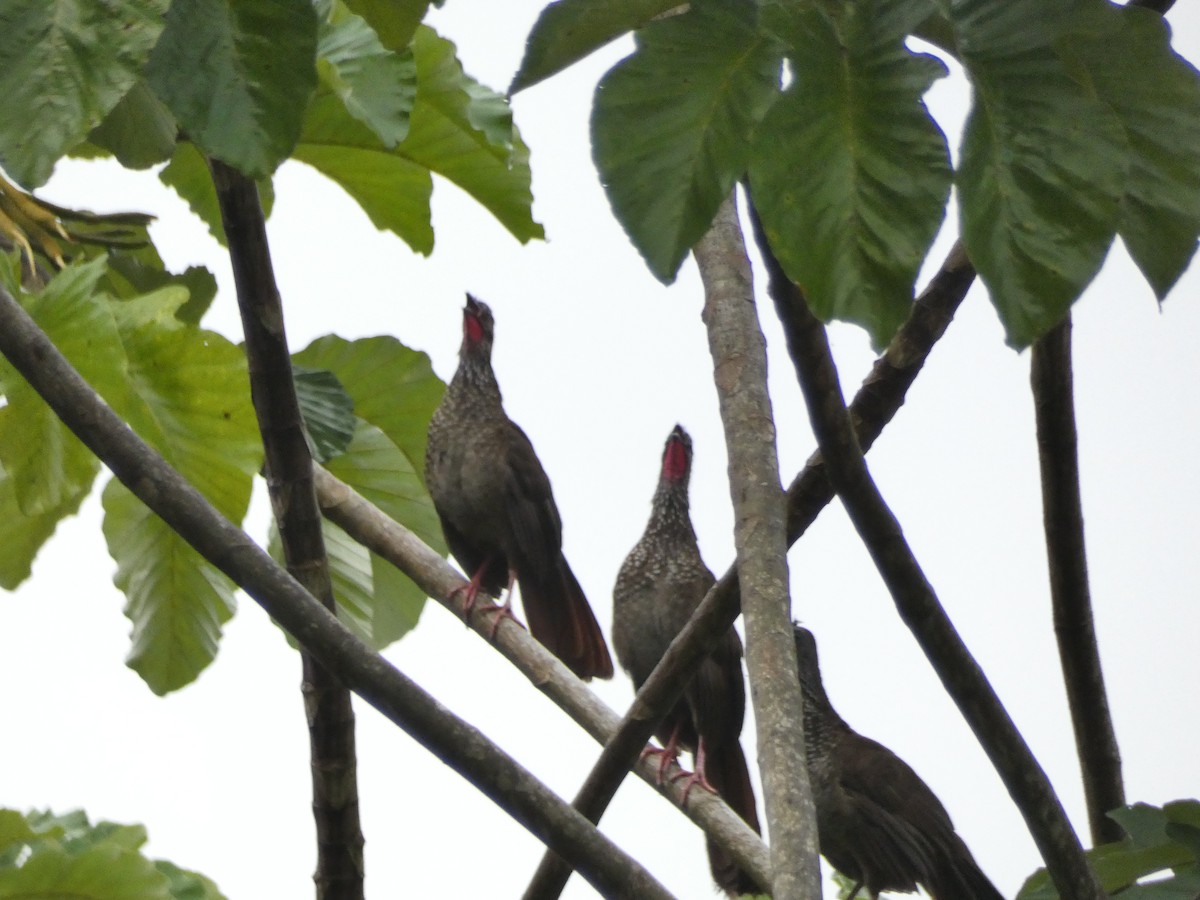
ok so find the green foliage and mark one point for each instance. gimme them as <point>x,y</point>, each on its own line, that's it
<point>453,130</point>
<point>237,77</point>
<point>1084,125</point>
<point>568,30</point>
<point>1154,94</point>
<point>375,101</point>
<point>44,855</point>
<point>140,130</point>
<point>394,391</point>
<point>394,21</point>
<point>328,412</point>
<point>64,64</point>
<point>184,391</point>
<point>1043,166</point>
<point>671,125</point>
<point>377,86</point>
<point>187,174</point>
<point>1158,841</point>
<point>853,205</point>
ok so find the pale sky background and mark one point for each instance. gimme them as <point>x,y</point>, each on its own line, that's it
<point>597,362</point>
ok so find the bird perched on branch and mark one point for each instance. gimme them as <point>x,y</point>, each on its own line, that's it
<point>877,821</point>
<point>497,509</point>
<point>659,586</point>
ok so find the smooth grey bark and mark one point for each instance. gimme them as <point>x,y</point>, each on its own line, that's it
<point>739,353</point>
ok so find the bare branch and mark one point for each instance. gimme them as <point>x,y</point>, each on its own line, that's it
<point>456,743</point>
<point>915,599</point>
<point>1074,626</point>
<point>739,354</point>
<point>332,759</point>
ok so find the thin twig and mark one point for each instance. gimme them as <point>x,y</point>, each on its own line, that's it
<point>456,743</point>
<point>1074,625</point>
<point>739,355</point>
<point>288,469</point>
<point>877,401</point>
<point>914,597</point>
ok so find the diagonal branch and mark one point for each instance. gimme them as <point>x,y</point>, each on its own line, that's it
<point>739,354</point>
<point>1074,625</point>
<point>169,495</point>
<point>914,597</point>
<point>877,401</point>
<point>366,524</point>
<point>288,469</point>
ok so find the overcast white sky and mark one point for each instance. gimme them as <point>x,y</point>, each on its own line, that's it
<point>598,362</point>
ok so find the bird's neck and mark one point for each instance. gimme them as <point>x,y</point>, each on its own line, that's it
<point>475,379</point>
<point>671,516</point>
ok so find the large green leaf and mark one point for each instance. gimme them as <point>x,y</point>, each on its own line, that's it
<point>671,125</point>
<point>1150,848</point>
<point>187,174</point>
<point>458,129</point>
<point>1043,166</point>
<point>47,855</point>
<point>456,133</point>
<point>22,536</point>
<point>850,174</point>
<point>237,76</point>
<point>185,885</point>
<point>175,599</point>
<point>139,131</point>
<point>48,468</point>
<point>128,276</point>
<point>568,30</point>
<point>395,392</point>
<point>188,398</point>
<point>1156,95</point>
<point>327,410</point>
<point>393,191</point>
<point>393,20</point>
<point>63,65</point>
<point>375,468</point>
<point>393,387</point>
<point>376,85</point>
<point>104,872</point>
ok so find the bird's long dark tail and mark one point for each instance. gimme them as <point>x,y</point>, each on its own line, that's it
<point>559,616</point>
<point>958,877</point>
<point>725,768</point>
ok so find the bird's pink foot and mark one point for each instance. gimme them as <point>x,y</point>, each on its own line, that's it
<point>665,758</point>
<point>470,596</point>
<point>695,778</point>
<point>691,779</point>
<point>666,755</point>
<point>499,613</point>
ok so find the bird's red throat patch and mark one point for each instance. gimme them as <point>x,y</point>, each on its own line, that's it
<point>472,329</point>
<point>675,461</point>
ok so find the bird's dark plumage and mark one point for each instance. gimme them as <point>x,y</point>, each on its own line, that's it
<point>877,821</point>
<point>497,509</point>
<point>659,586</point>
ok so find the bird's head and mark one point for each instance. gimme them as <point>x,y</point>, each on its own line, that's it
<point>677,456</point>
<point>478,328</point>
